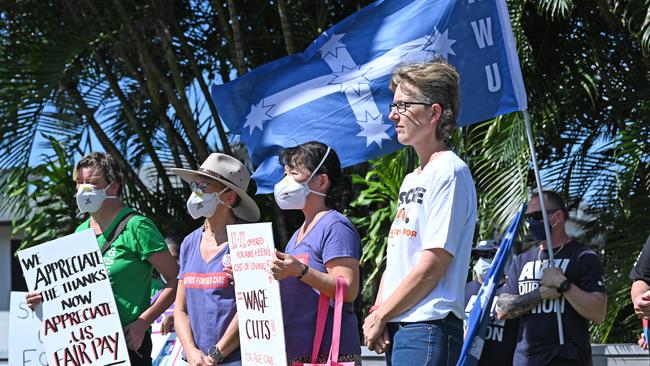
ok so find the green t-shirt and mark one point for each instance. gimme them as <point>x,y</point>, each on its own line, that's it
<point>126,262</point>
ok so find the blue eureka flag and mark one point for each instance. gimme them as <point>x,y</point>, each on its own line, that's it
<point>479,316</point>
<point>337,90</point>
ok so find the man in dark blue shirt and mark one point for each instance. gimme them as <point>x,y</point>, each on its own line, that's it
<point>574,284</point>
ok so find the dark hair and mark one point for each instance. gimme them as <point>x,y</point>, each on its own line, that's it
<point>174,240</point>
<point>103,161</point>
<point>553,201</point>
<point>307,156</point>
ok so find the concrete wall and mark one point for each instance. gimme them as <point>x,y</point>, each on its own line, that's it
<point>602,355</point>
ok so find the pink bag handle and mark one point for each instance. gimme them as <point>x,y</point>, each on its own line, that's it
<point>341,289</point>
<point>321,318</point>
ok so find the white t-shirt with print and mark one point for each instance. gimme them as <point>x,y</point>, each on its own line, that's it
<point>436,209</point>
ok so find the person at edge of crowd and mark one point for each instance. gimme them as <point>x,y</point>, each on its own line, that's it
<point>131,257</point>
<point>534,291</point>
<point>325,246</point>
<point>640,291</point>
<point>418,312</point>
<point>501,337</point>
<point>205,315</point>
<point>174,245</point>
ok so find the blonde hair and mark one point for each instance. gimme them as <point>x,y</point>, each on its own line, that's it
<point>432,82</point>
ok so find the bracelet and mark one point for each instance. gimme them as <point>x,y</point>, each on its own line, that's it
<point>304,271</point>
<point>372,309</point>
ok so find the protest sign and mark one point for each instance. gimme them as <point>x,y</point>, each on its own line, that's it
<point>169,353</point>
<point>166,349</point>
<point>80,324</point>
<point>261,330</point>
<point>25,344</point>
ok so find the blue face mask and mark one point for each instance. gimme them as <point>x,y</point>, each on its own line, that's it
<point>536,229</point>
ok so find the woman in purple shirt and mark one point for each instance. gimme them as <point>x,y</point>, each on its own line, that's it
<point>326,246</point>
<point>205,312</point>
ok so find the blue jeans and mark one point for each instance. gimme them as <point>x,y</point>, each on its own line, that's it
<point>432,343</point>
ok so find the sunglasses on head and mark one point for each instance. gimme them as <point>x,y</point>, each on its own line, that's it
<point>537,215</point>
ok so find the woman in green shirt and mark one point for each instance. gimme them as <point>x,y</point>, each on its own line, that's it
<point>129,258</point>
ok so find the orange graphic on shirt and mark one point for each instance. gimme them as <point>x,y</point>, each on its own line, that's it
<point>398,229</point>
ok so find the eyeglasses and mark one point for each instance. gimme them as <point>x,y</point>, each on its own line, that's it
<point>402,106</point>
<point>537,215</point>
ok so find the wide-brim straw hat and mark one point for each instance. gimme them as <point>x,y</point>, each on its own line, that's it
<point>231,173</point>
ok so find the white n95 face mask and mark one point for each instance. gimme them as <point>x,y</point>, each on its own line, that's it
<point>291,195</point>
<point>482,267</point>
<point>203,204</point>
<point>90,199</point>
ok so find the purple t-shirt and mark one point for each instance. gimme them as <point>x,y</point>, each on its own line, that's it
<point>332,237</point>
<point>209,296</point>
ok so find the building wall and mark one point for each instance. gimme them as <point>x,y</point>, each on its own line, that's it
<point>5,265</point>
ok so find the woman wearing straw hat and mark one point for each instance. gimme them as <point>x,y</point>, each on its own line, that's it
<point>205,315</point>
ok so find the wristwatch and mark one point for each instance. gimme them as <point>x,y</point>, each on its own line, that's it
<point>564,286</point>
<point>305,269</point>
<point>215,354</point>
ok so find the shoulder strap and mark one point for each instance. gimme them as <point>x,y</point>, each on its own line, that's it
<point>117,231</point>
<point>341,289</point>
<point>321,318</point>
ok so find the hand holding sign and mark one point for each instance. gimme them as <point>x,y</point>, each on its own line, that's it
<point>285,265</point>
<point>259,309</point>
<point>80,321</point>
<point>33,299</point>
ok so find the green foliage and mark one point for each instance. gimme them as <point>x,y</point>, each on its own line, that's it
<point>500,163</point>
<point>555,8</point>
<point>50,210</point>
<point>378,196</point>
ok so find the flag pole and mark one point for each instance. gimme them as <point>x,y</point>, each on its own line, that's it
<point>547,229</point>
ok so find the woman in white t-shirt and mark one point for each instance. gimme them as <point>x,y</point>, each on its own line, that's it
<point>417,316</point>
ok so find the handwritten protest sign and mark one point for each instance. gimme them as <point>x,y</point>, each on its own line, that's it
<point>25,344</point>
<point>80,324</point>
<point>261,330</point>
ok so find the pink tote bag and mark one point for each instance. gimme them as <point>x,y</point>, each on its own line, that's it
<point>323,308</point>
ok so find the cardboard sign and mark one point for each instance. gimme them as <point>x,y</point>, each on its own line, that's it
<point>261,330</point>
<point>80,324</point>
<point>25,344</point>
